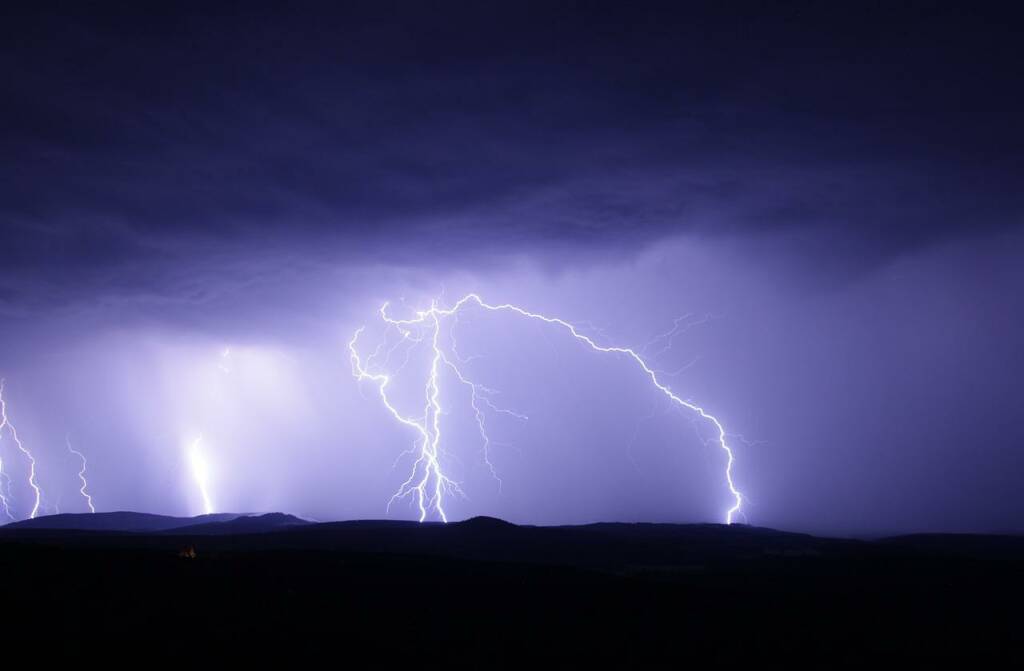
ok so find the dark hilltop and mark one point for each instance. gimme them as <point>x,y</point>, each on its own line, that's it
<point>485,589</point>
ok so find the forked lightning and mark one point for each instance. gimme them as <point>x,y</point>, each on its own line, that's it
<point>427,482</point>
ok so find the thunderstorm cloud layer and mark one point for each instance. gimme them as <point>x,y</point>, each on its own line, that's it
<point>198,211</point>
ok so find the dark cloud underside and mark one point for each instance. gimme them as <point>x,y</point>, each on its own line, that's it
<point>135,134</point>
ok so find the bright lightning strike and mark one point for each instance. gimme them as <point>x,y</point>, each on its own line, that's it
<point>6,424</point>
<point>200,473</point>
<point>428,483</point>
<point>5,492</point>
<point>81,475</point>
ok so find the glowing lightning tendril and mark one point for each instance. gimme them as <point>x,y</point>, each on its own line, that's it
<point>81,475</point>
<point>5,423</point>
<point>428,483</point>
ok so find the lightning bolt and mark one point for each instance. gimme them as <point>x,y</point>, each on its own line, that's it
<point>6,423</point>
<point>428,483</point>
<point>5,491</point>
<point>81,474</point>
<point>200,473</point>
<point>427,480</point>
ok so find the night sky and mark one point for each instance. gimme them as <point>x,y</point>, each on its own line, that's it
<point>199,205</point>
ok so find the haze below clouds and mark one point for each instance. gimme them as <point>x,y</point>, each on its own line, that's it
<point>834,196</point>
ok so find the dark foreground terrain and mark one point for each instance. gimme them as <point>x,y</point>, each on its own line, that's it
<point>484,592</point>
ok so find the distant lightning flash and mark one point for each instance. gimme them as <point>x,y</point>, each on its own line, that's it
<point>5,493</point>
<point>81,475</point>
<point>428,483</point>
<point>201,473</point>
<point>5,423</point>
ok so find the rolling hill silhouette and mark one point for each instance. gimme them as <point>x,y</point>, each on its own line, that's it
<point>240,524</point>
<point>116,521</point>
<point>132,522</point>
<point>485,589</point>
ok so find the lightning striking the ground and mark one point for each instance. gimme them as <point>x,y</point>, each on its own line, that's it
<point>5,423</point>
<point>200,473</point>
<point>428,484</point>
<point>5,492</point>
<point>81,475</point>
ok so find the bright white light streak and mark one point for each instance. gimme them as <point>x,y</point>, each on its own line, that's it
<point>200,473</point>
<point>81,475</point>
<point>428,483</point>
<point>6,424</point>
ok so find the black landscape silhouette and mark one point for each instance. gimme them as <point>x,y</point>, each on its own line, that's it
<point>481,587</point>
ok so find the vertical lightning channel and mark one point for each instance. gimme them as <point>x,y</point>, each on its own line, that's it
<point>5,423</point>
<point>81,475</point>
<point>5,492</point>
<point>200,473</point>
<point>429,443</point>
<point>433,410</point>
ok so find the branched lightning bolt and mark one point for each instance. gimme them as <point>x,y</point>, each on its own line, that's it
<point>478,395</point>
<point>81,475</point>
<point>428,482</point>
<point>5,423</point>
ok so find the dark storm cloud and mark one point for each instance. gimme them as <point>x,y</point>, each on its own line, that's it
<point>839,187</point>
<point>136,142</point>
